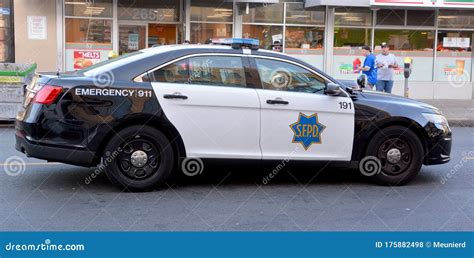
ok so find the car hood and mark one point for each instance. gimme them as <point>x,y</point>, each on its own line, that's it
<point>397,100</point>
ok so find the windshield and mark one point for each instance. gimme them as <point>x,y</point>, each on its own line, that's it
<point>110,64</point>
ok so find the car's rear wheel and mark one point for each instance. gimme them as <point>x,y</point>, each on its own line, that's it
<point>399,154</point>
<point>138,158</point>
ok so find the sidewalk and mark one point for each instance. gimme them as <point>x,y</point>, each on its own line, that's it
<point>458,112</point>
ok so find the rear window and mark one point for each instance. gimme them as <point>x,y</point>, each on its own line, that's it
<point>111,64</point>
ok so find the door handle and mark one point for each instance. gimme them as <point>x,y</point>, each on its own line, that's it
<point>175,96</point>
<point>277,101</point>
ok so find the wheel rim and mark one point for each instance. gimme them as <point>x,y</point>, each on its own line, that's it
<point>395,155</point>
<point>139,158</point>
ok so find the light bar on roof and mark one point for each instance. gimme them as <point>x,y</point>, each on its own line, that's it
<point>237,43</point>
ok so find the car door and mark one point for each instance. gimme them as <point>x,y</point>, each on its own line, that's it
<point>207,99</point>
<point>298,120</point>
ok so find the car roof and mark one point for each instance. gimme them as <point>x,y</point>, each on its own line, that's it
<point>127,68</point>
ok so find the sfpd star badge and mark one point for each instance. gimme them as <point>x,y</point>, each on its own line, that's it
<point>307,130</point>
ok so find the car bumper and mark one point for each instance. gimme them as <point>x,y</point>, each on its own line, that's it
<point>438,145</point>
<point>73,156</point>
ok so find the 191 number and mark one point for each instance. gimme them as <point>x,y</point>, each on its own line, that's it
<point>345,105</point>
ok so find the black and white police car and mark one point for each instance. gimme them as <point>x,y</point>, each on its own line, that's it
<point>142,114</point>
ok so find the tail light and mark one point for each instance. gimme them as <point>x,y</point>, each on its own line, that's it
<point>47,94</point>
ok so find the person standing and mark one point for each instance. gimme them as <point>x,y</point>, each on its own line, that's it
<point>368,68</point>
<point>277,47</point>
<point>386,63</point>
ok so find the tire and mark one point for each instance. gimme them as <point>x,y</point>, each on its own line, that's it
<point>138,158</point>
<point>400,153</point>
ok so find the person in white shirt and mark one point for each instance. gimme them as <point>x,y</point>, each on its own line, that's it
<point>386,63</point>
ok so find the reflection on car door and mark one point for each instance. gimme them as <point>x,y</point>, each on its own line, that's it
<point>207,99</point>
<point>298,120</point>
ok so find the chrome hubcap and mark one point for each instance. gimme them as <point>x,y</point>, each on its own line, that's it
<point>394,155</point>
<point>139,158</point>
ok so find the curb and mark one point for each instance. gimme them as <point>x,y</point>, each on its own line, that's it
<point>7,123</point>
<point>461,123</point>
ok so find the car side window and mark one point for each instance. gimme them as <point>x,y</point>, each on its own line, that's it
<point>217,70</point>
<point>174,73</point>
<point>283,76</point>
<point>204,70</point>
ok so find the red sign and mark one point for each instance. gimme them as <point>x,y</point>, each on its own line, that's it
<point>83,59</point>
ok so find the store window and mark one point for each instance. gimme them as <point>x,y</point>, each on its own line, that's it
<point>210,19</point>
<point>456,19</point>
<point>420,18</point>
<point>296,13</point>
<point>454,56</point>
<point>264,22</point>
<point>390,17</point>
<point>96,8</point>
<point>304,33</point>
<point>416,44</point>
<point>145,24</point>
<point>353,16</point>
<point>265,13</point>
<point>6,32</point>
<point>88,32</point>
<point>353,29</point>
<point>266,34</point>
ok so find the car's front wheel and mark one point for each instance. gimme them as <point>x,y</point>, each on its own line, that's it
<point>399,154</point>
<point>138,158</point>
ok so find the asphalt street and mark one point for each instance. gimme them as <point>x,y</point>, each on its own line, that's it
<point>43,196</point>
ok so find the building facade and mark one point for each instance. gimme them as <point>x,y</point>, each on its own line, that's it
<point>438,35</point>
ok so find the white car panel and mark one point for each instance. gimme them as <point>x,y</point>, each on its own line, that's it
<point>277,138</point>
<point>214,121</point>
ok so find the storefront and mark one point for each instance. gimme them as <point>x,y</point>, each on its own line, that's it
<point>437,35</point>
<point>7,54</point>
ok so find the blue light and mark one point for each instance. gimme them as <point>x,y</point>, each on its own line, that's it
<point>237,42</point>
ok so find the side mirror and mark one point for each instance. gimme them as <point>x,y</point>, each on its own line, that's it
<point>333,89</point>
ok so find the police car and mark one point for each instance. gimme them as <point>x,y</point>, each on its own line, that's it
<point>141,115</point>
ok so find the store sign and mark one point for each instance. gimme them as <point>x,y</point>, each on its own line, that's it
<point>425,3</point>
<point>37,27</point>
<point>456,42</point>
<point>277,37</point>
<point>132,41</point>
<point>148,14</point>
<point>83,59</point>
<point>447,68</point>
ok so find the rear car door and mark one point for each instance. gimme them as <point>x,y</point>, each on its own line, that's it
<point>205,96</point>
<point>298,121</point>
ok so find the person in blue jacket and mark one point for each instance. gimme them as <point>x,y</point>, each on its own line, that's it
<point>369,67</point>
